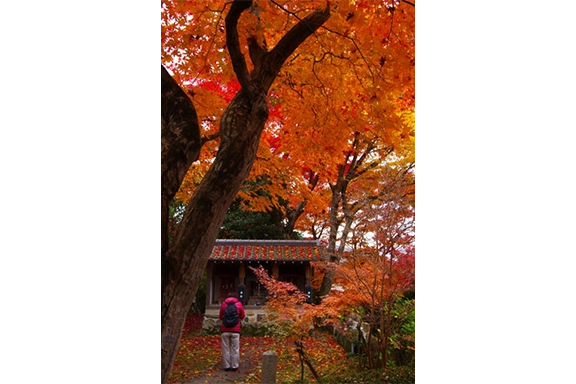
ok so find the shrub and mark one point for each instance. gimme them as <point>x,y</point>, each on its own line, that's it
<point>351,375</point>
<point>401,375</point>
<point>393,375</point>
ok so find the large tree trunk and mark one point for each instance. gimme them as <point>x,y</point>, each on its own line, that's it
<point>240,129</point>
<point>204,215</point>
<point>180,144</point>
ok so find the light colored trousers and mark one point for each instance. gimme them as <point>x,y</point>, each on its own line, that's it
<point>230,349</point>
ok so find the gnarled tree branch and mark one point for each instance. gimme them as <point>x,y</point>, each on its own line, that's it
<point>233,45</point>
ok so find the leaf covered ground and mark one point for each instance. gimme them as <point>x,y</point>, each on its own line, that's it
<point>198,359</point>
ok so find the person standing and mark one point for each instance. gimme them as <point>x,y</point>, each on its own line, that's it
<point>230,331</point>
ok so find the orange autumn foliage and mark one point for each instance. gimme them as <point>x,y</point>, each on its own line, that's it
<point>327,83</point>
<point>355,77</point>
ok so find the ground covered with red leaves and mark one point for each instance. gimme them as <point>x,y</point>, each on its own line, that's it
<point>199,361</point>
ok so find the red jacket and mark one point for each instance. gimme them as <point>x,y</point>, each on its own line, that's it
<point>241,314</point>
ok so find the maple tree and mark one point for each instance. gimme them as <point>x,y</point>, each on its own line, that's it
<point>376,275</point>
<point>373,281</point>
<point>303,79</point>
<point>362,180</point>
<point>287,308</point>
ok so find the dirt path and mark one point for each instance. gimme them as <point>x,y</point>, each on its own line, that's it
<point>222,377</point>
<point>250,362</point>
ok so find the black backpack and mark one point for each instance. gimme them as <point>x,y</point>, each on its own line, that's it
<point>230,318</point>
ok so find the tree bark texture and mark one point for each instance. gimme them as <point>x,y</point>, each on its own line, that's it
<point>339,193</point>
<point>240,130</point>
<point>337,190</point>
<point>180,144</point>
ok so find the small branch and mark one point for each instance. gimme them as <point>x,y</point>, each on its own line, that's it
<point>357,48</point>
<point>207,138</point>
<point>211,43</point>
<point>304,357</point>
<point>296,36</point>
<point>409,3</point>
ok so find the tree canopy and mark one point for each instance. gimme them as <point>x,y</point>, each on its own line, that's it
<point>341,108</point>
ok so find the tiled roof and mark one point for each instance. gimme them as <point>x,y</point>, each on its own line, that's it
<point>268,250</point>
